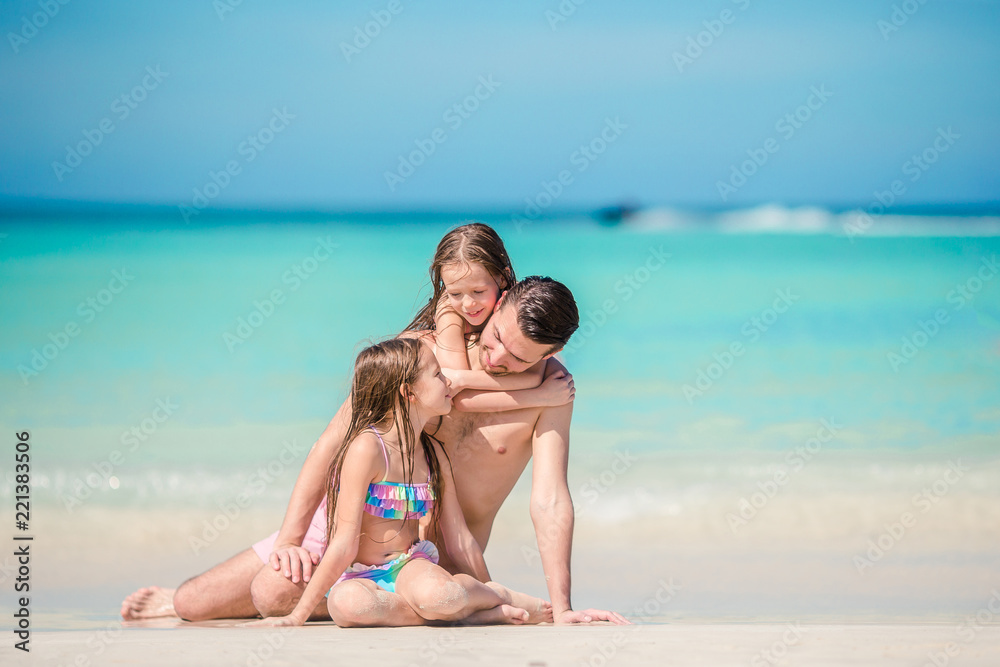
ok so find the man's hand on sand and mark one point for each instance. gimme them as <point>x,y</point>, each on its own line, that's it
<point>590,615</point>
<point>295,563</point>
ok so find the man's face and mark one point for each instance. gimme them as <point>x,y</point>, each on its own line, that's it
<point>503,349</point>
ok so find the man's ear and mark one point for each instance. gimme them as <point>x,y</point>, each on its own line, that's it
<point>496,307</point>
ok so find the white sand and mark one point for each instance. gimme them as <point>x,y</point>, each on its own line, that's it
<point>597,645</point>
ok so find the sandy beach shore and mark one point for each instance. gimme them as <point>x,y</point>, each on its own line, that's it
<point>755,644</point>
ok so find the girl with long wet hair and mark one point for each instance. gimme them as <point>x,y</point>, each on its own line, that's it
<point>387,475</point>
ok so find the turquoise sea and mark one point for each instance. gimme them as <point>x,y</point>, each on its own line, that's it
<point>161,368</point>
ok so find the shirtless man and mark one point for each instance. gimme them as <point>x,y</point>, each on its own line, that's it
<point>489,451</point>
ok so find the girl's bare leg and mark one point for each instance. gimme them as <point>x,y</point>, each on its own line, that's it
<point>436,595</point>
<point>360,603</point>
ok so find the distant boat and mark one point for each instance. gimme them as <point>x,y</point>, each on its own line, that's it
<point>614,215</point>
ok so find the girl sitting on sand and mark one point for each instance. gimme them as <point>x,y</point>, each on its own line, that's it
<point>469,274</point>
<point>374,507</point>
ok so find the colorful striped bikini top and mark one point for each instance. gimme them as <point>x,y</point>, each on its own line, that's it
<point>392,500</point>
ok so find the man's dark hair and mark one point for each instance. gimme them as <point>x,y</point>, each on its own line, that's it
<point>546,310</point>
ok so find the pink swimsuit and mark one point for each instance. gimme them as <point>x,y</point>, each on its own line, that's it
<point>390,500</point>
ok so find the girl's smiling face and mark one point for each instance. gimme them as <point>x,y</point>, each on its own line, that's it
<point>471,290</point>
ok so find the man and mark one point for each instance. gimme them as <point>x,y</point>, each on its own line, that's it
<point>488,450</point>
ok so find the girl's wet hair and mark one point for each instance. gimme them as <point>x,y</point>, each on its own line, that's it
<point>471,243</point>
<point>379,372</point>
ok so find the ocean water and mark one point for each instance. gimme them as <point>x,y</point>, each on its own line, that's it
<point>846,365</point>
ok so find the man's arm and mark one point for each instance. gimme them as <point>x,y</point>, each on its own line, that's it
<point>481,380</point>
<point>551,503</point>
<point>557,389</point>
<point>552,512</point>
<point>288,557</point>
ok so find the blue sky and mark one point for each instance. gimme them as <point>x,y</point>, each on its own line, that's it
<point>680,130</point>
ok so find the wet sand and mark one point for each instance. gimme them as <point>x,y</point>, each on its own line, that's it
<point>541,646</point>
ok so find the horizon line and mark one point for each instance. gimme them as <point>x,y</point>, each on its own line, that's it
<point>44,207</point>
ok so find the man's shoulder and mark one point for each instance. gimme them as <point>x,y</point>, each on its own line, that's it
<point>553,365</point>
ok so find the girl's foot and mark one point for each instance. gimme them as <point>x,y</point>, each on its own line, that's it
<point>503,614</point>
<point>514,615</point>
<point>539,610</point>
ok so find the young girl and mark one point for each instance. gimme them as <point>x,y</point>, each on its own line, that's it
<point>373,540</point>
<point>469,273</point>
